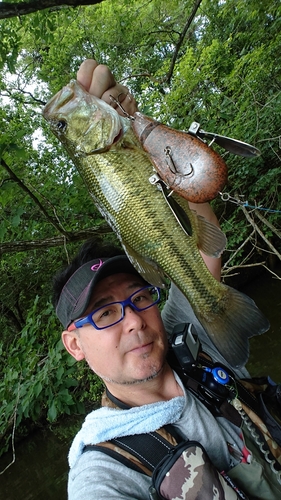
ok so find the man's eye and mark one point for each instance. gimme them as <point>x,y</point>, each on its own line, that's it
<point>105,312</point>
<point>138,298</point>
<point>142,297</point>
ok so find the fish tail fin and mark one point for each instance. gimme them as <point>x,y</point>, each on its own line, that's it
<point>237,319</point>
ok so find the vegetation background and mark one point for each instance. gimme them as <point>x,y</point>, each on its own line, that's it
<point>211,61</point>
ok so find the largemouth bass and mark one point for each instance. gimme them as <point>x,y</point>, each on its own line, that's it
<point>160,234</point>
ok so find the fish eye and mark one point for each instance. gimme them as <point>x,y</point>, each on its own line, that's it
<point>61,125</point>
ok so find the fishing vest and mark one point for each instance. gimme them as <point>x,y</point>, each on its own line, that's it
<point>182,469</point>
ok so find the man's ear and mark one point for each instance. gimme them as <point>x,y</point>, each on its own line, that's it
<point>72,344</point>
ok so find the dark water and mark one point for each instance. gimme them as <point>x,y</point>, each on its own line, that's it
<point>265,350</point>
<point>40,470</point>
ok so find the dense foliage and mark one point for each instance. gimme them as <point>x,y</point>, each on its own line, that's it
<point>210,61</point>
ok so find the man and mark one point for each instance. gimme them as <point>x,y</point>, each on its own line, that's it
<point>111,319</point>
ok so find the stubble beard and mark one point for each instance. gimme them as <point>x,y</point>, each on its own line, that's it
<point>154,373</point>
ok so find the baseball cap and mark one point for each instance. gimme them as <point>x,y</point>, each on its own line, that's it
<point>76,293</point>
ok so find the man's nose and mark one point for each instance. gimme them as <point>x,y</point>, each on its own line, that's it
<point>132,318</point>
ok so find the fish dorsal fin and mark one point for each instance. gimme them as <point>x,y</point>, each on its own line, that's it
<point>211,240</point>
<point>148,269</point>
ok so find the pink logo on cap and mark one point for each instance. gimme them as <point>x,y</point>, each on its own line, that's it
<point>95,267</point>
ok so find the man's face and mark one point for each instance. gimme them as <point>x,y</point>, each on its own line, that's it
<point>131,351</point>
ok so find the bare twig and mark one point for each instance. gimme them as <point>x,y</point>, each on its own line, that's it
<point>181,39</point>
<point>14,430</point>
<point>257,229</point>
<point>238,249</point>
<point>242,266</point>
<point>267,223</point>
<point>272,272</point>
<point>169,74</point>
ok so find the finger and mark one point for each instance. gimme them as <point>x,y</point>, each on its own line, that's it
<point>85,72</point>
<point>98,80</point>
<point>102,80</point>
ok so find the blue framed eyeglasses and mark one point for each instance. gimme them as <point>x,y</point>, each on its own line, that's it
<point>113,313</point>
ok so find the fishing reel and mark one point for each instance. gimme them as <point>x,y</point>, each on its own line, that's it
<point>212,383</point>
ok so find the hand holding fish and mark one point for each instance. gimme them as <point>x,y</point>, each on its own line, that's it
<point>98,80</point>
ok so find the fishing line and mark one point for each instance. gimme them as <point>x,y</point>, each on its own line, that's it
<point>227,197</point>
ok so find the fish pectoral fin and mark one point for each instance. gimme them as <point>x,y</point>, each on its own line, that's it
<point>211,240</point>
<point>148,269</point>
<point>236,319</point>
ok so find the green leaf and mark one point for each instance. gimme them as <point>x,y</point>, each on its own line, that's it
<point>38,388</point>
<point>52,412</point>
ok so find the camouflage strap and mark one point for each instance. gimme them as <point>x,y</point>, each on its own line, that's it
<point>192,472</point>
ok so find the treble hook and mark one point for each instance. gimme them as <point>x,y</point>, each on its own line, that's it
<point>172,166</point>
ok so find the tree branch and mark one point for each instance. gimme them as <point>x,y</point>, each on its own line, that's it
<point>23,8</point>
<point>25,246</point>
<point>169,74</point>
<point>225,267</point>
<point>16,179</point>
<point>12,96</point>
<point>181,39</point>
<point>252,222</point>
<point>268,224</point>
